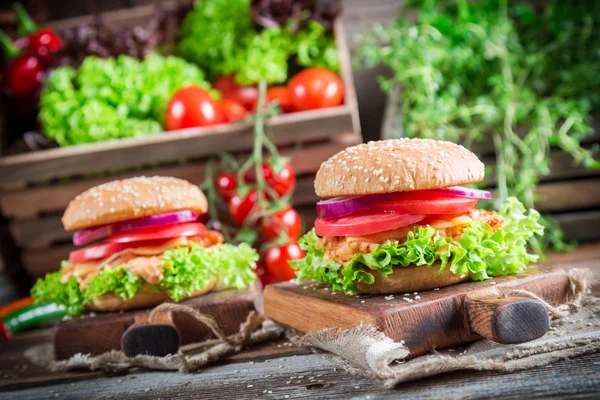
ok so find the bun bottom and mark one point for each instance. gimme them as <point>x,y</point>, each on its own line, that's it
<point>144,299</point>
<point>411,279</point>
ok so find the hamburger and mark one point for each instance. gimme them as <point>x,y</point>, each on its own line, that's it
<point>143,246</point>
<point>398,220</point>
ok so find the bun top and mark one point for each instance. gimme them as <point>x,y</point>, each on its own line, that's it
<point>397,165</point>
<point>132,198</point>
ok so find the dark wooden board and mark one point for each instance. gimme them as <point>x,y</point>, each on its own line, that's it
<point>435,320</point>
<point>103,331</point>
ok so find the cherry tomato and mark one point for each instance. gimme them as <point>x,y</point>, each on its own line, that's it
<point>286,220</point>
<point>226,184</point>
<point>232,110</point>
<point>282,95</point>
<point>158,232</point>
<point>105,249</point>
<point>364,223</point>
<point>230,89</point>
<point>315,88</point>
<point>192,106</point>
<point>426,202</point>
<point>277,259</point>
<point>240,207</point>
<point>265,277</point>
<point>282,182</point>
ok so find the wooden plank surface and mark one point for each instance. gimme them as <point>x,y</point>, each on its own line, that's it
<point>311,376</point>
<point>270,367</point>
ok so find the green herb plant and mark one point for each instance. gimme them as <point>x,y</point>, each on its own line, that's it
<point>499,72</point>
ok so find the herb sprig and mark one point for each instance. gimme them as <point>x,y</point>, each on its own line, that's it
<point>500,72</point>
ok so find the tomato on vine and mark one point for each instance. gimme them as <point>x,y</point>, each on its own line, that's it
<point>286,221</point>
<point>226,185</point>
<point>281,182</point>
<point>240,207</point>
<point>265,277</point>
<point>277,259</point>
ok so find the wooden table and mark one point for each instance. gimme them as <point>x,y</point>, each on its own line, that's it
<point>280,371</point>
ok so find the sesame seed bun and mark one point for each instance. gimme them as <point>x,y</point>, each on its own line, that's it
<point>132,198</point>
<point>143,299</point>
<point>397,165</point>
<point>410,279</point>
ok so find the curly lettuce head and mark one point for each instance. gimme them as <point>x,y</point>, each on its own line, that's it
<point>480,252</point>
<point>186,270</point>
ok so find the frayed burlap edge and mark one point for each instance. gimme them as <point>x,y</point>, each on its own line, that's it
<point>188,359</point>
<point>365,351</point>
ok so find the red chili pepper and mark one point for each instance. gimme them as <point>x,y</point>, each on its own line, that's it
<point>23,74</point>
<point>41,41</point>
<point>5,331</point>
<point>15,305</point>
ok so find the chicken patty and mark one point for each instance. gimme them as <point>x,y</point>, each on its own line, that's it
<point>342,249</point>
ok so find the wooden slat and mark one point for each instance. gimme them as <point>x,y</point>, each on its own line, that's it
<point>39,262</point>
<point>562,166</point>
<point>188,143</point>
<point>116,18</point>
<point>28,203</point>
<point>581,226</point>
<point>346,73</point>
<point>569,195</point>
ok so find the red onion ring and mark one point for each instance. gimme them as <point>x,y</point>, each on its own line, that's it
<point>466,192</point>
<point>85,236</point>
<point>340,206</point>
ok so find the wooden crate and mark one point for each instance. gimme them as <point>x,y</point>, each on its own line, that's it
<point>36,187</point>
<point>570,192</point>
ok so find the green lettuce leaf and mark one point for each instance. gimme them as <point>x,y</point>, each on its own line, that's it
<point>112,98</point>
<point>480,252</point>
<point>186,270</point>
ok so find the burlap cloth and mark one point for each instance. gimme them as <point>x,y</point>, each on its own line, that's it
<point>574,330</point>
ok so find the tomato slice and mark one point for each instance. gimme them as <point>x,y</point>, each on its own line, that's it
<point>158,232</point>
<point>426,202</point>
<point>364,223</point>
<point>105,249</point>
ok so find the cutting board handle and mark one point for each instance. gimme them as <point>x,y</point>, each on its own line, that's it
<point>158,337</point>
<point>507,320</point>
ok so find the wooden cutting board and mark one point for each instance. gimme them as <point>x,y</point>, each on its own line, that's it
<point>103,331</point>
<point>431,319</point>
